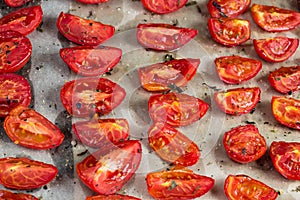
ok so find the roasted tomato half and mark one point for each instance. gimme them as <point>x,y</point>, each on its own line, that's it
<point>237,101</point>
<point>91,61</point>
<point>178,183</point>
<point>163,6</point>
<point>176,109</point>
<point>14,90</point>
<point>161,76</point>
<point>229,31</point>
<point>15,51</point>
<point>285,79</point>
<point>236,69</point>
<point>172,145</point>
<point>25,174</point>
<point>100,132</point>
<point>7,195</point>
<point>112,197</point>
<point>276,49</point>
<point>287,111</point>
<point>244,187</point>
<point>87,96</point>
<point>16,3</point>
<point>244,144</point>
<point>164,37</point>
<point>109,168</point>
<point>274,19</point>
<point>24,20</point>
<point>286,158</point>
<point>227,8</point>
<point>92,1</point>
<point>83,31</point>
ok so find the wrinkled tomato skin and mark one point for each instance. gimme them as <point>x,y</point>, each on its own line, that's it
<point>15,51</point>
<point>285,158</point>
<point>30,129</point>
<point>159,77</point>
<point>176,109</point>
<point>163,6</point>
<point>276,49</point>
<point>241,187</point>
<point>274,19</point>
<point>244,144</point>
<point>237,101</point>
<point>109,168</point>
<point>7,195</point>
<point>285,79</point>
<point>229,32</point>
<point>229,8</point>
<point>86,97</point>
<point>24,20</point>
<point>83,31</point>
<point>236,69</point>
<point>14,90</point>
<point>91,61</point>
<point>112,197</point>
<point>164,37</point>
<point>286,111</point>
<point>92,1</point>
<point>178,183</point>
<point>100,132</point>
<point>16,3</point>
<point>172,145</point>
<point>25,174</point>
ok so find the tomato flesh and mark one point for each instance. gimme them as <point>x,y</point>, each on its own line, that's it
<point>16,3</point>
<point>228,8</point>
<point>163,6</point>
<point>7,195</point>
<point>112,197</point>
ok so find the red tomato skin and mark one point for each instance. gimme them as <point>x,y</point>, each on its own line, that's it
<point>239,187</point>
<point>285,79</point>
<point>16,3</point>
<point>173,108</point>
<point>163,6</point>
<point>274,19</point>
<point>158,77</point>
<point>286,111</point>
<point>123,156</point>
<point>83,31</point>
<point>267,49</point>
<point>24,20</point>
<point>229,8</point>
<point>238,31</point>
<point>164,37</point>
<point>16,51</point>
<point>249,145</point>
<point>172,145</point>
<point>284,156</point>
<point>25,174</point>
<point>7,195</point>
<point>112,197</point>
<point>92,1</point>
<point>236,69</point>
<point>14,91</point>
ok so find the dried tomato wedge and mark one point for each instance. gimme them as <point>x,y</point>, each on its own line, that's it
<point>92,1</point>
<point>163,6</point>
<point>287,111</point>
<point>112,197</point>
<point>227,8</point>
<point>274,19</point>
<point>8,195</point>
<point>16,3</point>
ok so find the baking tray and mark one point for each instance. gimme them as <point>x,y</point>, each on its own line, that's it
<point>47,73</point>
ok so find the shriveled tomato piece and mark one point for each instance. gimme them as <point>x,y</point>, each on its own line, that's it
<point>112,197</point>
<point>83,31</point>
<point>227,8</point>
<point>274,19</point>
<point>109,168</point>
<point>25,174</point>
<point>24,20</point>
<point>229,31</point>
<point>92,1</point>
<point>176,109</point>
<point>85,97</point>
<point>237,101</point>
<point>286,158</point>
<point>8,195</point>
<point>91,61</point>
<point>16,3</point>
<point>99,132</point>
<point>285,79</point>
<point>159,77</point>
<point>163,6</point>
<point>286,111</point>
<point>244,144</point>
<point>236,69</point>
<point>178,183</point>
<point>164,37</point>
<point>277,49</point>
<point>244,187</point>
